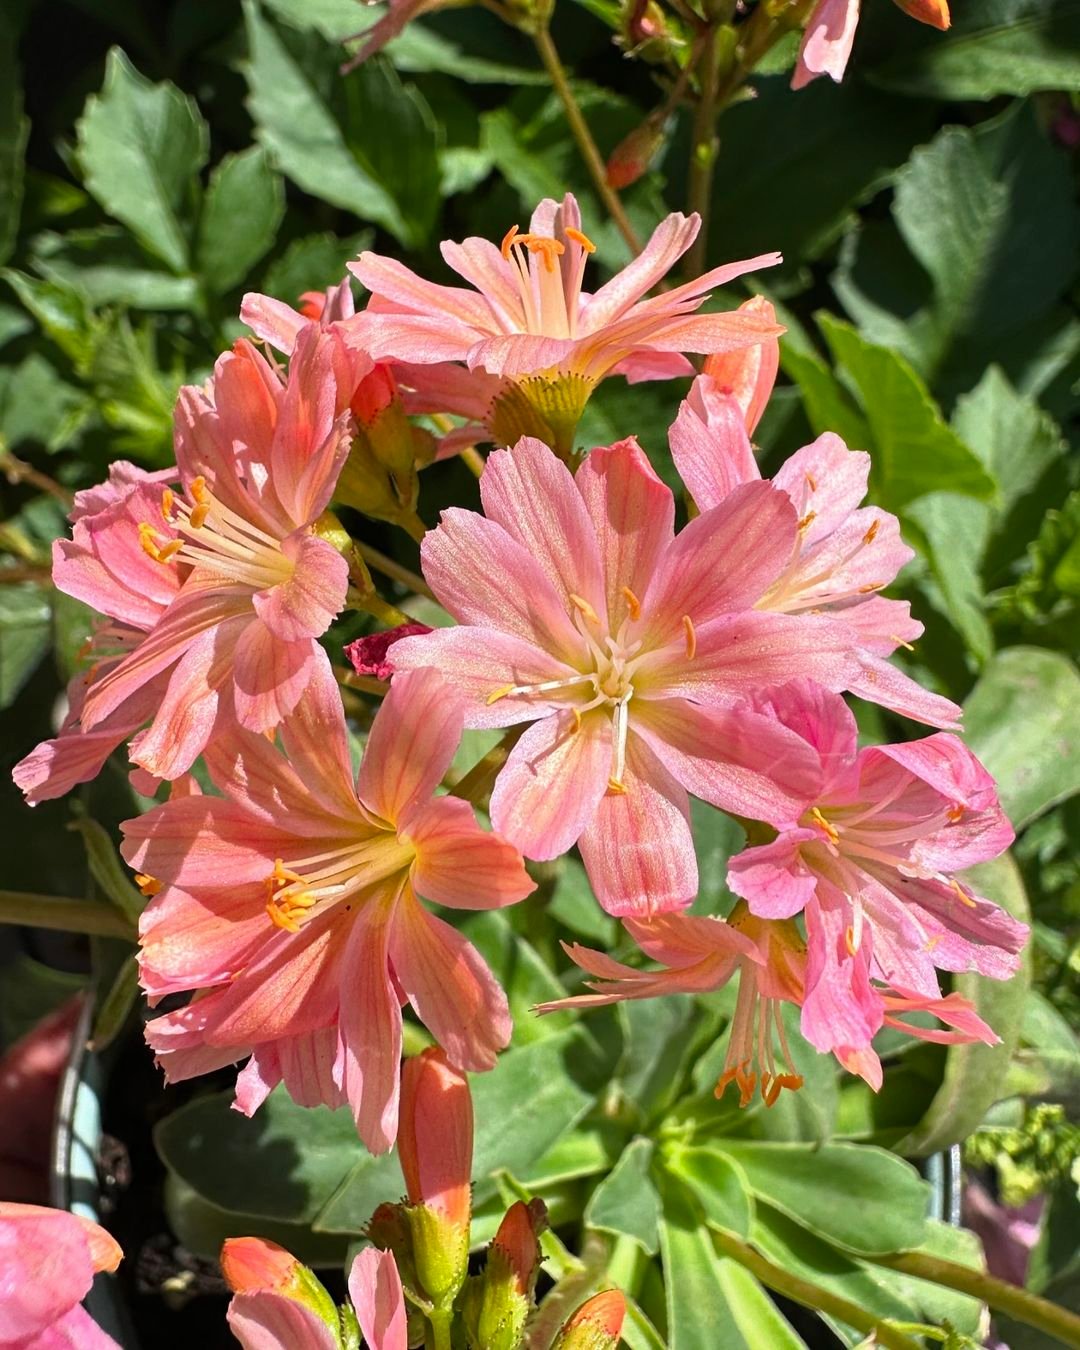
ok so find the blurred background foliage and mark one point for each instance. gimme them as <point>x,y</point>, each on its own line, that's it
<point>156,161</point>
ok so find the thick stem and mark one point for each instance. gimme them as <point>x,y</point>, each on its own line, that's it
<point>389,568</point>
<point>411,523</point>
<point>475,785</point>
<point>579,129</point>
<point>439,1334</point>
<point>473,460</point>
<point>65,913</point>
<point>703,153</point>
<point>1010,1299</point>
<point>812,1296</point>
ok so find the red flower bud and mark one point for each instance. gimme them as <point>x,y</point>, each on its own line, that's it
<point>748,374</point>
<point>252,1264</point>
<point>596,1325</point>
<point>634,154</point>
<point>435,1137</point>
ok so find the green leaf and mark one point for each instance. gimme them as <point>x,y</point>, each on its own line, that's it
<point>107,267</point>
<point>719,1184</point>
<point>974,1073</point>
<point>106,867</point>
<point>14,131</point>
<point>312,263</point>
<point>39,407</point>
<point>283,1164</point>
<point>804,1182</point>
<point>62,313</point>
<point>954,533</point>
<point>626,1201</point>
<point>523,974</point>
<point>1023,721</point>
<point>995,47</point>
<point>711,1300</point>
<point>242,210</point>
<point>24,637</point>
<point>829,406</point>
<point>574,906</point>
<point>915,450</point>
<point>385,179</point>
<point>140,146</point>
<point>115,1008</point>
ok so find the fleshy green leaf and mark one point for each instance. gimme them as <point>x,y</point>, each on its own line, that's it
<point>24,637</point>
<point>803,1182</point>
<point>626,1200</point>
<point>244,204</point>
<point>140,146</point>
<point>108,267</point>
<point>974,1073</point>
<point>1023,721</point>
<point>719,1184</point>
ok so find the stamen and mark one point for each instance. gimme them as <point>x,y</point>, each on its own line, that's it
<point>199,490</point>
<point>548,248</point>
<point>850,943</point>
<point>807,521</point>
<point>632,602</point>
<point>873,586</point>
<point>147,884</point>
<point>616,788</point>
<point>868,537</point>
<point>811,481</point>
<point>508,240</point>
<point>955,813</point>
<point>164,553</point>
<point>579,238</point>
<point>830,830</point>
<point>168,500</point>
<point>691,637</point>
<point>585,608</point>
<point>962,895</point>
<point>197,519</point>
<point>497,694</point>
<point>575,713</point>
<point>900,642</point>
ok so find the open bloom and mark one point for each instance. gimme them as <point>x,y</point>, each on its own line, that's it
<point>48,1260</point>
<point>843,554</point>
<point>104,565</point>
<point>700,954</point>
<point>872,860</point>
<point>291,904</point>
<point>258,460</point>
<point>528,322</point>
<point>627,648</point>
<point>830,32</point>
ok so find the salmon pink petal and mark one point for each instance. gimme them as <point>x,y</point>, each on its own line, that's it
<point>975,935</point>
<point>306,1064</point>
<point>411,743</point>
<point>317,745</point>
<point>392,280</point>
<point>233,845</point>
<point>45,1269</point>
<point>272,320</point>
<point>737,760</point>
<point>424,339</point>
<point>530,492</point>
<point>521,353</point>
<point>827,41</point>
<point>822,719</point>
<point>306,604</point>
<point>269,1321</point>
<point>370,1023</point>
<point>668,242</point>
<point>738,653</point>
<point>875,680</point>
<point>724,560</point>
<point>375,1290</point>
<point>54,767</point>
<point>704,333</point>
<point>479,663</point>
<point>682,940</point>
<point>481,263</point>
<point>257,1079</point>
<point>748,376</point>
<point>549,788</point>
<point>772,878</point>
<point>450,986</point>
<point>459,864</point>
<point>76,1330</point>
<point>643,365</point>
<point>638,849</point>
<point>310,443</point>
<point>825,478</point>
<point>632,515</point>
<point>863,553</point>
<point>269,675</point>
<point>840,1008</point>
<point>710,445</point>
<point>483,575</point>
<point>955,1011</point>
<point>190,941</point>
<point>185,719</point>
<point>680,298</point>
<point>949,767</point>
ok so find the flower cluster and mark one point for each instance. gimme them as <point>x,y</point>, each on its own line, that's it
<point>630,665</point>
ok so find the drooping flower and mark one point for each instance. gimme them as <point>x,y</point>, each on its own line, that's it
<point>105,566</point>
<point>527,322</point>
<point>48,1260</point>
<point>872,861</point>
<point>258,460</point>
<point>843,554</point>
<point>830,32</point>
<point>291,904</point>
<point>627,647</point>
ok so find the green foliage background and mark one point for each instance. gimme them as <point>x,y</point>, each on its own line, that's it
<point>157,161</point>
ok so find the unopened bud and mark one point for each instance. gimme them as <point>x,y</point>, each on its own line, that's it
<point>635,153</point>
<point>379,476</point>
<point>498,1301</point>
<point>596,1325</point>
<point>933,12</point>
<point>254,1265</point>
<point>435,1143</point>
<point>748,374</point>
<point>644,27</point>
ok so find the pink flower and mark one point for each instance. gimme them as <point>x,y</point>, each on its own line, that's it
<point>104,565</point>
<point>258,459</point>
<point>375,1290</point>
<point>747,376</point>
<point>871,864</point>
<point>290,903</point>
<point>843,554</point>
<point>627,648</point>
<point>827,40</point>
<point>48,1260</point>
<point>527,320</point>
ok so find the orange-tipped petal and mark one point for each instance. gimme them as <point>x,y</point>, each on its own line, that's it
<point>251,1264</point>
<point>435,1137</point>
<point>933,12</point>
<point>596,1325</point>
<point>517,1241</point>
<point>748,375</point>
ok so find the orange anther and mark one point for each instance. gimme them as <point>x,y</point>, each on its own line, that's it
<point>198,489</point>
<point>579,238</point>
<point>849,941</point>
<point>586,609</point>
<point>811,481</point>
<point>691,637</point>
<point>509,239</point>
<point>826,826</point>
<point>962,895</point>
<point>497,694</point>
<point>147,884</point>
<point>632,602</point>
<point>807,521</point>
<point>168,498</point>
<point>616,788</point>
<point>871,533</point>
<point>873,586</point>
<point>545,245</point>
<point>955,813</point>
<point>197,519</point>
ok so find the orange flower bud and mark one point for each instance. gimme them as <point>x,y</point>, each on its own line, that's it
<point>933,12</point>
<point>376,391</point>
<point>596,1325</point>
<point>252,1264</point>
<point>634,154</point>
<point>516,1243</point>
<point>749,374</point>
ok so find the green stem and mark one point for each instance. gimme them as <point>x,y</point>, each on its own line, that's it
<point>1010,1299</point>
<point>62,912</point>
<point>703,152</point>
<point>475,785</point>
<point>411,523</point>
<point>811,1296</point>
<point>389,568</point>
<point>579,129</point>
<point>439,1322</point>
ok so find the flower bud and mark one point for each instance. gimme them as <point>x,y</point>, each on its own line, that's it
<point>635,153</point>
<point>498,1301</point>
<point>596,1325</point>
<point>379,476</point>
<point>748,375</point>
<point>435,1142</point>
<point>254,1266</point>
<point>933,12</point>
